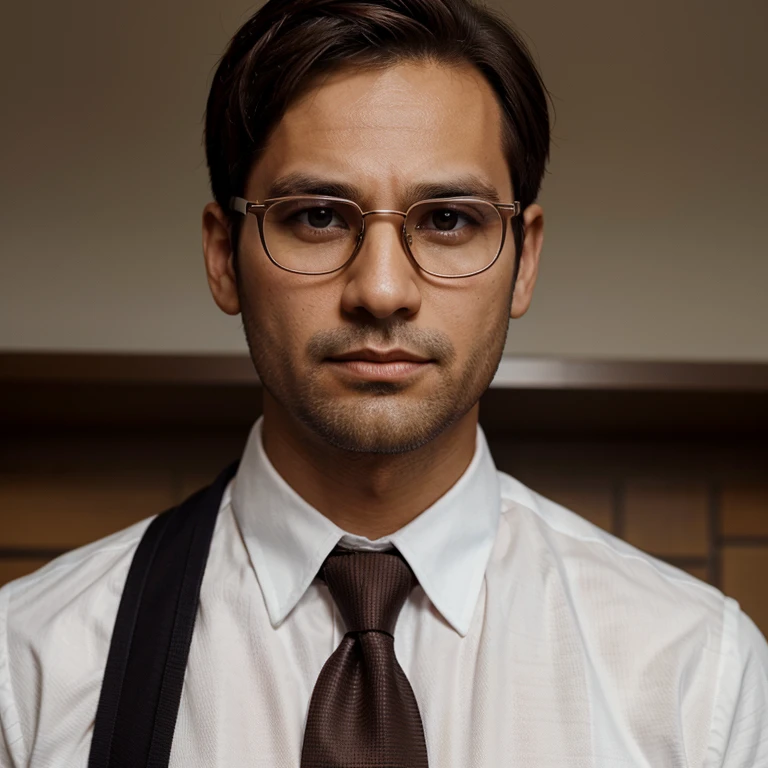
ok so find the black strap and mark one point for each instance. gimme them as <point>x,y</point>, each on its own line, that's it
<point>144,675</point>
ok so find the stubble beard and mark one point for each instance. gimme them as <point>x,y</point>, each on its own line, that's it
<point>377,417</point>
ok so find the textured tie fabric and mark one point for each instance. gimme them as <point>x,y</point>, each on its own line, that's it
<point>363,713</point>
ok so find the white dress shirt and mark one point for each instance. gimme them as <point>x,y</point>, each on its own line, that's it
<point>534,639</point>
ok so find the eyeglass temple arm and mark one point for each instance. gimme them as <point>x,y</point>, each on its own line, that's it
<point>513,207</point>
<point>240,205</point>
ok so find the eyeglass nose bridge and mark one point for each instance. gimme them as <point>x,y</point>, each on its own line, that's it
<point>407,237</point>
<point>385,210</point>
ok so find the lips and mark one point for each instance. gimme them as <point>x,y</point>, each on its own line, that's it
<point>381,356</point>
<point>391,365</point>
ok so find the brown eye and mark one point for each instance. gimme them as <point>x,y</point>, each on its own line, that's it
<point>444,219</point>
<point>320,217</point>
<point>449,219</point>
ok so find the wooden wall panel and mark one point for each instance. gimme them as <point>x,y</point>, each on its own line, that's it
<point>745,577</point>
<point>48,511</point>
<point>745,509</point>
<point>699,571</point>
<point>667,519</point>
<point>593,502</point>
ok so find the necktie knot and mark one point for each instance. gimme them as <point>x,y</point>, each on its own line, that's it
<point>369,588</point>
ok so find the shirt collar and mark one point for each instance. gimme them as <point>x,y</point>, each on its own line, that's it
<point>447,546</point>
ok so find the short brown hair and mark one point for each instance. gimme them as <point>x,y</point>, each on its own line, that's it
<point>286,43</point>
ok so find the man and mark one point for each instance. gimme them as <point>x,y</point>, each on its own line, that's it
<point>376,593</point>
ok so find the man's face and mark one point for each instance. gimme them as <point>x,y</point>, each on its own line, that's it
<point>381,132</point>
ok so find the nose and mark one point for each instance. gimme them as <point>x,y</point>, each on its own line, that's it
<point>381,279</point>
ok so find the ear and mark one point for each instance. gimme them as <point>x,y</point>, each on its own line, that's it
<point>533,216</point>
<point>219,264</point>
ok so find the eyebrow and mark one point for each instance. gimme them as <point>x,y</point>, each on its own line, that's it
<point>299,183</point>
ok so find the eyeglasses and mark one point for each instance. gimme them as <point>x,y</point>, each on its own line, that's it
<point>317,235</point>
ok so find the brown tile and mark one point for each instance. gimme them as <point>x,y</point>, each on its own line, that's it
<point>14,567</point>
<point>191,482</point>
<point>201,463</point>
<point>699,571</point>
<point>57,511</point>
<point>591,502</point>
<point>667,519</point>
<point>744,510</point>
<point>745,577</point>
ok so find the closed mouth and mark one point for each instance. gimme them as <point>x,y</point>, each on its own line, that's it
<point>380,356</point>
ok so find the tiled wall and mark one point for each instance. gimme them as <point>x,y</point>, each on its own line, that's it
<point>700,504</point>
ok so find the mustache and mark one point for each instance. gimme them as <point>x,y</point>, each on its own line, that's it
<point>426,342</point>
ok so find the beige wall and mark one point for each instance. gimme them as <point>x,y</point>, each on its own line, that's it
<point>656,201</point>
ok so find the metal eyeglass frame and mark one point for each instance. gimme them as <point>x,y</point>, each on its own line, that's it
<point>506,212</point>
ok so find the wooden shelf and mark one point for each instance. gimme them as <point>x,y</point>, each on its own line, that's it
<point>513,372</point>
<point>40,390</point>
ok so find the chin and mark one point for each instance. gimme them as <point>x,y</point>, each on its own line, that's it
<point>378,424</point>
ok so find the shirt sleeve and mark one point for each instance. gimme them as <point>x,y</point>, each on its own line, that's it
<point>739,735</point>
<point>11,741</point>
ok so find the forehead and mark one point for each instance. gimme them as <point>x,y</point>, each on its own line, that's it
<point>385,129</point>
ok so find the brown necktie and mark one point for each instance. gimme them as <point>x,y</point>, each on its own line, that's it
<point>363,713</point>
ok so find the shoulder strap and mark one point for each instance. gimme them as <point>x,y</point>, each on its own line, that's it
<point>144,675</point>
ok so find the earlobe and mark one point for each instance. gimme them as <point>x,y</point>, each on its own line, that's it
<point>219,266</point>
<point>529,260</point>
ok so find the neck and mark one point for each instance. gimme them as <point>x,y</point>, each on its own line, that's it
<point>371,495</point>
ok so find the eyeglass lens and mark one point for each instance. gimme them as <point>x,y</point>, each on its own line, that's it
<point>447,238</point>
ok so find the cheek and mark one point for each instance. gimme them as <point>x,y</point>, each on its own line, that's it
<point>473,312</point>
<point>284,310</point>
<point>266,309</point>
